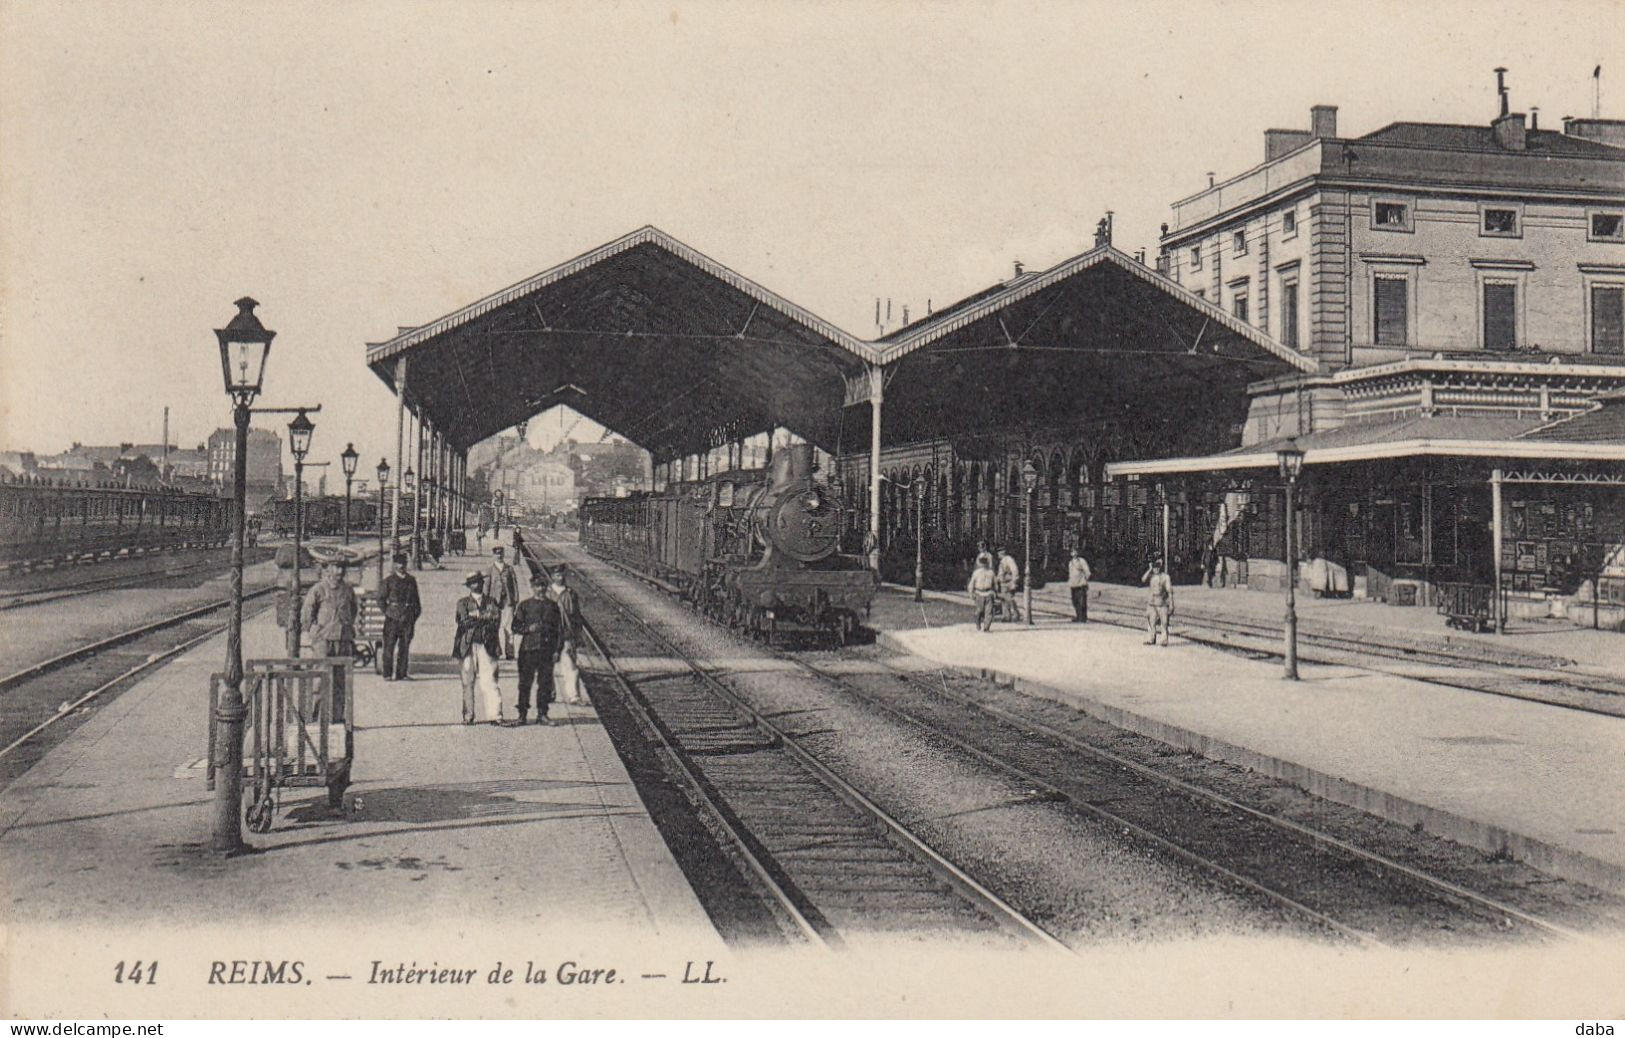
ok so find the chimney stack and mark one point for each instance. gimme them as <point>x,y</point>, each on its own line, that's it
<point>1210,178</point>
<point>1501,90</point>
<point>1019,268</point>
<point>1534,117</point>
<point>1323,121</point>
<point>1510,132</point>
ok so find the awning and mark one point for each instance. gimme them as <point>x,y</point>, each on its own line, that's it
<point>1433,436</point>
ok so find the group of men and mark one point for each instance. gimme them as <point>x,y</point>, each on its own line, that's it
<point>992,587</point>
<point>547,622</point>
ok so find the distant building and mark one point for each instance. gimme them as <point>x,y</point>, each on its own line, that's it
<point>264,463</point>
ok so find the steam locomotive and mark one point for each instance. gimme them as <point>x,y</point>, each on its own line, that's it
<point>755,550</point>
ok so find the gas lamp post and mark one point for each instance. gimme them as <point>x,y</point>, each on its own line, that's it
<point>347,462</point>
<point>299,433</point>
<point>245,344</point>
<point>1290,458</point>
<point>1029,483</point>
<point>383,485</point>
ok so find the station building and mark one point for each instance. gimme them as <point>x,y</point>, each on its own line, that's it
<point>1461,289</point>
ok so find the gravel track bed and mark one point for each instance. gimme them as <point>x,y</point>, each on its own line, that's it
<point>1082,880</point>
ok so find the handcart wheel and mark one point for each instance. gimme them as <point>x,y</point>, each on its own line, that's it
<point>258,816</point>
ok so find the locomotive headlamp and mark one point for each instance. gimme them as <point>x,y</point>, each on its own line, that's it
<point>348,459</point>
<point>299,433</point>
<point>245,344</point>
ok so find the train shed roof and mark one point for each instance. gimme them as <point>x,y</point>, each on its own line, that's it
<point>644,335</point>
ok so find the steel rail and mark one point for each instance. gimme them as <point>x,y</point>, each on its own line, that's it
<point>19,599</point>
<point>1433,883</point>
<point>113,641</point>
<point>147,664</point>
<point>1006,915</point>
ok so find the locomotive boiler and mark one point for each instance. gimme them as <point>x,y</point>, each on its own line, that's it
<point>755,550</point>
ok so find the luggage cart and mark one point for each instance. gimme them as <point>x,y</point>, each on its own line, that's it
<point>301,725</point>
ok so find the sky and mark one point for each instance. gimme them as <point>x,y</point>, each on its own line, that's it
<point>361,166</point>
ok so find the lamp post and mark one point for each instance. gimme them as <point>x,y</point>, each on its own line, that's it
<point>409,485</point>
<point>1029,483</point>
<point>245,344</point>
<point>383,484</point>
<point>299,433</point>
<point>347,462</point>
<point>520,428</point>
<point>919,540</point>
<point>1290,458</point>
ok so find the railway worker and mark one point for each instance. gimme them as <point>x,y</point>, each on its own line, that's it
<point>539,625</point>
<point>1009,579</point>
<point>1160,609</point>
<point>569,603</point>
<point>503,585</point>
<point>398,598</point>
<point>478,647</point>
<point>1077,581</point>
<point>329,619</point>
<point>982,588</point>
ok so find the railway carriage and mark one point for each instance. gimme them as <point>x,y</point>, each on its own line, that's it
<point>755,550</point>
<point>42,521</point>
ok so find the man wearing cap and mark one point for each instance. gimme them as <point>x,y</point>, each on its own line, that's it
<point>478,648</point>
<point>1077,581</point>
<point>503,585</point>
<point>329,618</point>
<point>1160,609</point>
<point>398,598</point>
<point>537,622</point>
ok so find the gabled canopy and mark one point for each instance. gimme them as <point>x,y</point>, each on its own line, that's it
<point>1098,335</point>
<point>645,336</point>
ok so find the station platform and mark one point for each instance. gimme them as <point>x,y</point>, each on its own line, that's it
<point>528,841</point>
<point>1536,781</point>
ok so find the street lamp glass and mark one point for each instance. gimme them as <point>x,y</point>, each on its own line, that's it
<point>409,479</point>
<point>299,433</point>
<point>1029,477</point>
<point>383,473</point>
<point>245,344</point>
<point>348,459</point>
<point>1290,457</point>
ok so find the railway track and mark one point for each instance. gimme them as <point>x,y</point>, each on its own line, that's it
<point>833,864</point>
<point>18,598</point>
<point>44,700</point>
<point>1355,892</point>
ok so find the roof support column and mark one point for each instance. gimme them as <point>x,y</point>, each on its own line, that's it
<point>877,387</point>
<point>400,454</point>
<point>417,490</point>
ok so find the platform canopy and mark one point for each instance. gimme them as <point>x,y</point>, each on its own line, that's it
<point>1095,335</point>
<point>645,336</point>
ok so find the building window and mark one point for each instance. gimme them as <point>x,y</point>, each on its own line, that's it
<point>1392,312</point>
<point>1499,221</point>
<point>1238,243</point>
<point>1390,215</point>
<point>1607,227</point>
<point>1196,257</point>
<point>1500,315</point>
<point>1608,319</point>
<point>1238,304</point>
<point>1289,223</point>
<point>1289,312</point>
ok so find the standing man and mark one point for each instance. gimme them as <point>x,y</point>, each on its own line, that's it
<point>564,596</point>
<point>478,647</point>
<point>1009,580</point>
<point>503,584</point>
<point>329,618</point>
<point>1077,581</point>
<point>539,625</point>
<point>981,588</point>
<point>1160,609</point>
<point>398,598</point>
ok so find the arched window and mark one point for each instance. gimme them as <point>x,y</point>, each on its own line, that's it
<point>1056,467</point>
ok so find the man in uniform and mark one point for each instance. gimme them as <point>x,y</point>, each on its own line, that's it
<point>981,588</point>
<point>1077,581</point>
<point>569,603</point>
<point>538,623</point>
<point>1160,609</point>
<point>398,598</point>
<point>329,619</point>
<point>478,647</point>
<point>503,585</point>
